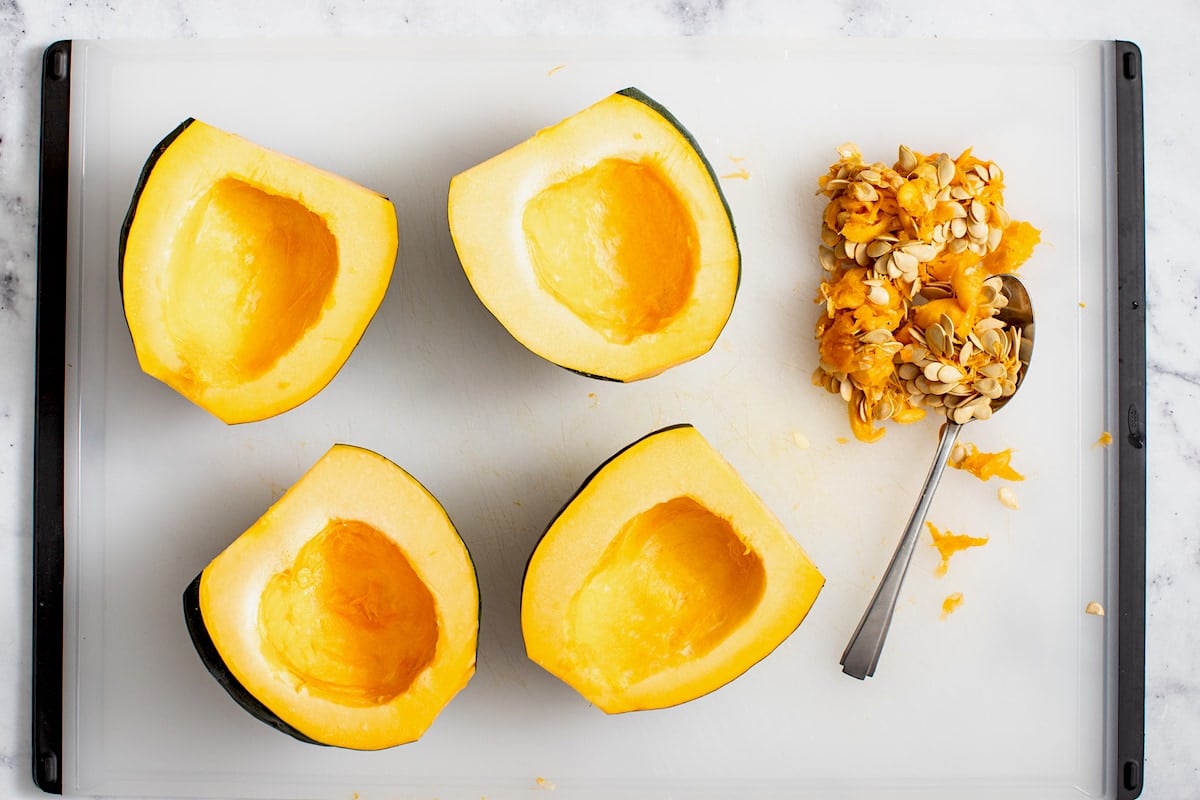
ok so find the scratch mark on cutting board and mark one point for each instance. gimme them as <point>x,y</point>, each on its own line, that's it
<point>9,282</point>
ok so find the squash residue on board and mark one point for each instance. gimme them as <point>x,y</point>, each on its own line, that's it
<point>985,466</point>
<point>741,173</point>
<point>948,544</point>
<point>951,604</point>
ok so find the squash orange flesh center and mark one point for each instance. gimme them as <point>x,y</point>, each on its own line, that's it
<point>672,585</point>
<point>350,619</point>
<point>616,245</point>
<point>249,273</point>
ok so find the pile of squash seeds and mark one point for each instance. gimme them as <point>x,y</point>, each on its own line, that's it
<point>911,255</point>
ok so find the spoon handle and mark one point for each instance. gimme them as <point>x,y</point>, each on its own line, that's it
<point>862,652</point>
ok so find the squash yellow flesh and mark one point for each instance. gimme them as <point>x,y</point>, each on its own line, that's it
<point>248,277</point>
<point>603,242</point>
<point>350,619</point>
<point>350,609</point>
<point>616,246</point>
<point>676,561</point>
<point>663,579</point>
<point>253,280</point>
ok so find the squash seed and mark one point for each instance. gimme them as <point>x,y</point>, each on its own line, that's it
<point>947,325</point>
<point>945,170</point>
<point>950,374</point>
<point>864,192</point>
<point>988,324</point>
<point>848,150</point>
<point>921,251</point>
<point>936,291</point>
<point>876,336</point>
<point>1007,498</point>
<point>905,261</point>
<point>878,248</point>
<point>989,387</point>
<point>828,260</point>
<point>990,341</point>
<point>860,255</point>
<point>963,414</point>
<point>979,211</point>
<point>994,370</point>
<point>965,353</point>
<point>935,337</point>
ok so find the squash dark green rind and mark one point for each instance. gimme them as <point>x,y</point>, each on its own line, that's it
<point>220,671</point>
<point>147,168</point>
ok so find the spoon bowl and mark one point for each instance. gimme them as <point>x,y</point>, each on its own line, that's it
<point>1015,311</point>
<point>1017,314</point>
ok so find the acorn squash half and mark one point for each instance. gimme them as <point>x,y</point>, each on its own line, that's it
<point>664,578</point>
<point>602,243</point>
<point>248,277</point>
<point>348,614</point>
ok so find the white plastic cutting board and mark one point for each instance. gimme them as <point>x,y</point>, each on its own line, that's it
<point>1011,696</point>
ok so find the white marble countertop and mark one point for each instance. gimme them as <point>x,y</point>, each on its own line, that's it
<point>1164,29</point>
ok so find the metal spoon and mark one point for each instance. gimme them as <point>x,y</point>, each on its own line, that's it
<point>862,652</point>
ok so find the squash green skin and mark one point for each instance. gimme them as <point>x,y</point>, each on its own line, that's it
<point>220,671</point>
<point>139,187</point>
